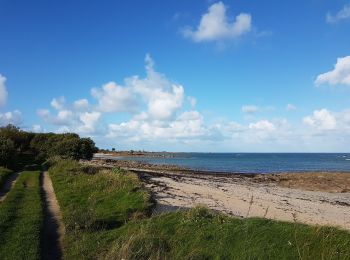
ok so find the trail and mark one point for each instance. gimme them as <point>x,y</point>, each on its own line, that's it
<point>9,183</point>
<point>53,231</point>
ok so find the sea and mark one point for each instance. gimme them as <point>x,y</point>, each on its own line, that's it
<point>252,162</point>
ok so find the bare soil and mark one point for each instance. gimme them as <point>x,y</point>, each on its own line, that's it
<point>53,232</point>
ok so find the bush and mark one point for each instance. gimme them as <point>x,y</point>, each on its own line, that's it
<point>7,151</point>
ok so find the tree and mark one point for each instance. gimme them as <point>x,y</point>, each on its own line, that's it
<point>87,148</point>
<point>7,151</point>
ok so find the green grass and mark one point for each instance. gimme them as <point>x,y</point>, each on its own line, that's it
<point>104,212</point>
<point>21,219</point>
<point>4,173</point>
<point>202,234</point>
<point>95,202</point>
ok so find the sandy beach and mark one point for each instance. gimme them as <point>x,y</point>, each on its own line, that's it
<point>310,198</point>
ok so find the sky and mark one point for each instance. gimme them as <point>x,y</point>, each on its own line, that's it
<point>194,76</point>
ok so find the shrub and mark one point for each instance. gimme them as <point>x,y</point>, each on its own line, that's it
<point>7,151</point>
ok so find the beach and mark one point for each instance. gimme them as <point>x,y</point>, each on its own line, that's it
<point>310,198</point>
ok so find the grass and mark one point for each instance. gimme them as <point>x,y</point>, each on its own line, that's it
<point>105,216</point>
<point>94,203</point>
<point>21,219</point>
<point>202,234</point>
<point>4,173</point>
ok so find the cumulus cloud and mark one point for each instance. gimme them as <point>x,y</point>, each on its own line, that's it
<point>321,120</point>
<point>263,125</point>
<point>114,98</point>
<point>14,118</point>
<point>58,103</point>
<point>81,104</point>
<point>189,124</point>
<point>343,14</point>
<point>216,25</point>
<point>153,98</point>
<point>339,75</point>
<point>3,91</point>
<point>249,109</point>
<point>89,122</point>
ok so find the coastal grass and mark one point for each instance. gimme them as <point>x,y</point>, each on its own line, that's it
<point>21,219</point>
<point>105,214</point>
<point>4,174</point>
<point>94,203</point>
<point>200,233</point>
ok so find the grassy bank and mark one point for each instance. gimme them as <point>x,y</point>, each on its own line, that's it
<point>4,173</point>
<point>21,219</point>
<point>105,216</point>
<point>94,204</point>
<point>202,234</point>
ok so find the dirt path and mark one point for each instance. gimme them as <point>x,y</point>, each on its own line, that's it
<point>53,233</point>
<point>9,183</point>
<point>243,197</point>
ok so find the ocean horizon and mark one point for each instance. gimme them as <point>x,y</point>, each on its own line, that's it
<point>250,162</point>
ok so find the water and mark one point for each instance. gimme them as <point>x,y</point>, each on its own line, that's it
<point>254,162</point>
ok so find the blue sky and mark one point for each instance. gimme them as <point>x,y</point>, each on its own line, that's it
<point>240,76</point>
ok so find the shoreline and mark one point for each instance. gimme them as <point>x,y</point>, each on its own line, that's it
<point>117,159</point>
<point>310,198</point>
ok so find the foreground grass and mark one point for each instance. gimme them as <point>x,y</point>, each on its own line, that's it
<point>93,203</point>
<point>104,213</point>
<point>4,173</point>
<point>21,219</point>
<point>202,234</point>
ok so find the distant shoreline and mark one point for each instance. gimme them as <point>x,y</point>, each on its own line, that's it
<point>125,159</point>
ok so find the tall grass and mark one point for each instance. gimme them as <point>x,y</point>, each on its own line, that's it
<point>203,234</point>
<point>94,202</point>
<point>21,219</point>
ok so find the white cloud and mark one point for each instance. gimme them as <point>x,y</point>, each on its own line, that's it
<point>187,125</point>
<point>14,118</point>
<point>215,25</point>
<point>249,109</point>
<point>263,125</point>
<point>339,75</point>
<point>37,129</point>
<point>89,122</point>
<point>114,98</point>
<point>321,120</point>
<point>81,104</point>
<point>3,91</point>
<point>290,107</point>
<point>343,14</point>
<point>58,103</point>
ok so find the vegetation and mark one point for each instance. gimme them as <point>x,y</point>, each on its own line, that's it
<point>7,151</point>
<point>94,203</point>
<point>105,213</point>
<point>4,173</point>
<point>16,144</point>
<point>21,219</point>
